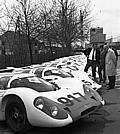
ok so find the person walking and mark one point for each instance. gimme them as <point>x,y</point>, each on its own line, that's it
<point>111,67</point>
<point>93,57</point>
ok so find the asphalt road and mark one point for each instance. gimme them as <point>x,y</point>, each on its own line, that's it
<point>104,121</point>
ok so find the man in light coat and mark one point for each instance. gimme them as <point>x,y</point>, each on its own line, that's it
<point>110,67</point>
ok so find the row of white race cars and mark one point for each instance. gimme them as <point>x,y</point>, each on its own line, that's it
<point>51,94</point>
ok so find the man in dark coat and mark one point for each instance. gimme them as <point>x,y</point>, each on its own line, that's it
<point>101,68</point>
<point>93,58</point>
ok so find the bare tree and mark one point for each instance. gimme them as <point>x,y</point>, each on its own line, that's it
<point>62,22</point>
<point>1,17</point>
<point>65,23</point>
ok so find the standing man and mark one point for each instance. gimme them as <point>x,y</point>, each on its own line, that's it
<point>93,58</point>
<point>101,64</point>
<point>101,68</point>
<point>111,66</point>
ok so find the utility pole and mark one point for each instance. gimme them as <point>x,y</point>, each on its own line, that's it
<point>81,23</point>
<point>18,42</point>
<point>17,25</point>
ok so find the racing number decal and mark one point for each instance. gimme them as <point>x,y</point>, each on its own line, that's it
<point>80,95</point>
<point>68,102</point>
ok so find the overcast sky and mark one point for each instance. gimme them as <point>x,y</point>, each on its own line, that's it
<point>108,16</point>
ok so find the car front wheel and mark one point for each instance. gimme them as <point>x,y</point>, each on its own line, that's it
<point>15,115</point>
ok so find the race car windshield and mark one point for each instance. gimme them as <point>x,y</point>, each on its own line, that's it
<point>32,82</point>
<point>38,72</point>
<point>57,72</point>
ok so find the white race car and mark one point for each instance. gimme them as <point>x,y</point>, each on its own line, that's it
<point>52,73</point>
<point>80,74</point>
<point>27,100</point>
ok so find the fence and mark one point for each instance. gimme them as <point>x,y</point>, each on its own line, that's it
<point>24,60</point>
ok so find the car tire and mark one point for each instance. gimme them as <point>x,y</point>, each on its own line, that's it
<point>15,115</point>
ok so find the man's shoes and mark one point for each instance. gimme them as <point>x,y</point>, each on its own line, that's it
<point>101,80</point>
<point>104,81</point>
<point>95,79</point>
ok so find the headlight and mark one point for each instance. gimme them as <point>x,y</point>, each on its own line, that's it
<point>86,88</point>
<point>54,111</point>
<point>50,108</point>
<point>89,91</point>
<point>39,103</point>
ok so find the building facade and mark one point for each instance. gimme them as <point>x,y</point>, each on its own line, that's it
<point>97,35</point>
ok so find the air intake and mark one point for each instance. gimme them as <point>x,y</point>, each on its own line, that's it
<point>88,111</point>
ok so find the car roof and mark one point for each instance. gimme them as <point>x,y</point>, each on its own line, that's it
<point>6,70</point>
<point>6,74</point>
